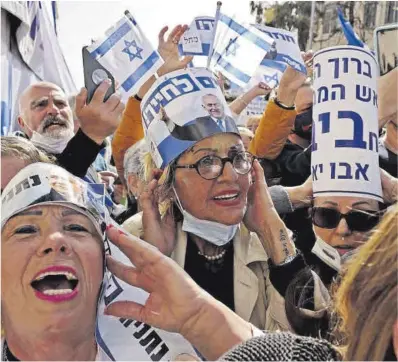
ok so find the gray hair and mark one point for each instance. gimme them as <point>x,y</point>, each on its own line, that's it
<point>21,148</point>
<point>134,159</point>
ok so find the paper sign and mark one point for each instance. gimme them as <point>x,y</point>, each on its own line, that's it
<point>345,160</point>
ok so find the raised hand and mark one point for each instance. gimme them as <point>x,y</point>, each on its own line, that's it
<point>99,119</point>
<point>158,231</point>
<point>261,89</point>
<point>168,49</point>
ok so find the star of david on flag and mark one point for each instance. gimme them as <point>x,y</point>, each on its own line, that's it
<point>238,50</point>
<point>127,54</point>
<point>127,50</point>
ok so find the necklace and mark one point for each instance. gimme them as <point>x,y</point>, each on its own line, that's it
<point>213,257</point>
<point>215,263</point>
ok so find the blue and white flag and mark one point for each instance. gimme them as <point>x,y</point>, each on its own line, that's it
<point>238,50</point>
<point>198,38</point>
<point>349,33</point>
<point>127,54</point>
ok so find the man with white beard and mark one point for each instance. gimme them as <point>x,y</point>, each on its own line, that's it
<point>47,120</point>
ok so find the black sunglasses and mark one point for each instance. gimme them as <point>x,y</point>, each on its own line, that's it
<point>361,221</point>
<point>211,167</point>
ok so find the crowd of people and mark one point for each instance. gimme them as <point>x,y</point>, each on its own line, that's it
<point>217,244</point>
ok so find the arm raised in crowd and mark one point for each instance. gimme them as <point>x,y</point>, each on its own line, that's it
<point>240,103</point>
<point>98,120</point>
<point>279,115</point>
<point>130,128</point>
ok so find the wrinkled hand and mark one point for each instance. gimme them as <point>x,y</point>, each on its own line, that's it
<point>389,185</point>
<point>301,196</point>
<point>99,119</point>
<point>168,49</point>
<point>174,301</point>
<point>308,61</point>
<point>107,177</point>
<point>259,203</point>
<point>261,89</point>
<point>158,231</point>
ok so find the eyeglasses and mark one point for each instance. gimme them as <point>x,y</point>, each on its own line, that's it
<point>356,220</point>
<point>211,167</point>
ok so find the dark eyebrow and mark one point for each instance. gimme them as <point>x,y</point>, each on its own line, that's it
<point>360,203</point>
<point>68,212</point>
<point>331,203</point>
<point>205,149</point>
<point>28,213</point>
<point>37,101</point>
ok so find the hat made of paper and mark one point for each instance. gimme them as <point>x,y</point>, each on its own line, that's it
<point>180,109</point>
<point>47,184</point>
<point>344,159</point>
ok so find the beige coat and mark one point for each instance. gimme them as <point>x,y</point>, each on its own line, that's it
<point>256,300</point>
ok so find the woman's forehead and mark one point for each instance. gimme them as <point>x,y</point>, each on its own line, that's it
<point>219,143</point>
<point>56,210</point>
<point>345,201</point>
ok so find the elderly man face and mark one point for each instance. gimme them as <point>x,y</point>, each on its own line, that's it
<point>44,108</point>
<point>212,105</point>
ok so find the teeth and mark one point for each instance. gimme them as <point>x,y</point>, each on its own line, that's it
<point>57,291</point>
<point>226,197</point>
<point>68,275</point>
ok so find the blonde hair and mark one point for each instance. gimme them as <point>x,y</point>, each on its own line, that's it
<point>366,300</point>
<point>244,131</point>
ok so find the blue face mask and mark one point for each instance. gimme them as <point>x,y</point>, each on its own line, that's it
<point>211,231</point>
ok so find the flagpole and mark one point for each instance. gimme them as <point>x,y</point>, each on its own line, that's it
<point>217,17</point>
<point>312,24</point>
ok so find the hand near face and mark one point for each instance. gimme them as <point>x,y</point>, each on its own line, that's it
<point>99,119</point>
<point>174,301</point>
<point>168,49</point>
<point>158,231</point>
<point>389,185</point>
<point>259,202</point>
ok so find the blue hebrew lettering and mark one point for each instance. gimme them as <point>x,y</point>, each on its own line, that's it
<point>361,171</point>
<point>324,118</point>
<point>368,72</point>
<point>373,141</point>
<point>290,39</point>
<point>314,171</point>
<point>204,24</point>
<point>339,87</point>
<point>325,95</point>
<point>317,68</point>
<point>207,82</point>
<point>336,67</point>
<point>333,170</point>
<point>348,174</point>
<point>314,145</point>
<point>277,35</point>
<point>345,64</point>
<point>357,141</point>
<point>375,99</point>
<point>365,95</point>
<point>359,65</point>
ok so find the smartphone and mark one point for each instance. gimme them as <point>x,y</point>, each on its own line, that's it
<point>386,47</point>
<point>94,74</point>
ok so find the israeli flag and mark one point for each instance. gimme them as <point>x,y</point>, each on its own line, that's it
<point>198,38</point>
<point>127,54</point>
<point>238,50</point>
<point>349,33</point>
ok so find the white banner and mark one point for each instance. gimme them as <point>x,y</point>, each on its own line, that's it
<point>345,160</point>
<point>180,109</point>
<point>197,40</point>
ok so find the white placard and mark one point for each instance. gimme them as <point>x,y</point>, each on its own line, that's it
<point>345,160</point>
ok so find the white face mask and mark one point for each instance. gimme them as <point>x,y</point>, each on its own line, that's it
<point>211,231</point>
<point>51,144</point>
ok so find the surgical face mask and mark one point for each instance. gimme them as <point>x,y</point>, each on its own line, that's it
<point>303,124</point>
<point>50,144</point>
<point>211,231</point>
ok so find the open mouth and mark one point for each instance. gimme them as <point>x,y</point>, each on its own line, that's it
<point>231,196</point>
<point>54,123</point>
<point>343,249</point>
<point>55,286</point>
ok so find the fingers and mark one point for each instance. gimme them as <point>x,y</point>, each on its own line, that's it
<point>161,34</point>
<point>258,173</point>
<point>100,92</point>
<point>186,60</point>
<point>138,251</point>
<point>126,273</point>
<point>125,309</point>
<point>108,173</point>
<point>174,33</point>
<point>81,99</point>
<point>113,101</point>
<point>119,109</point>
